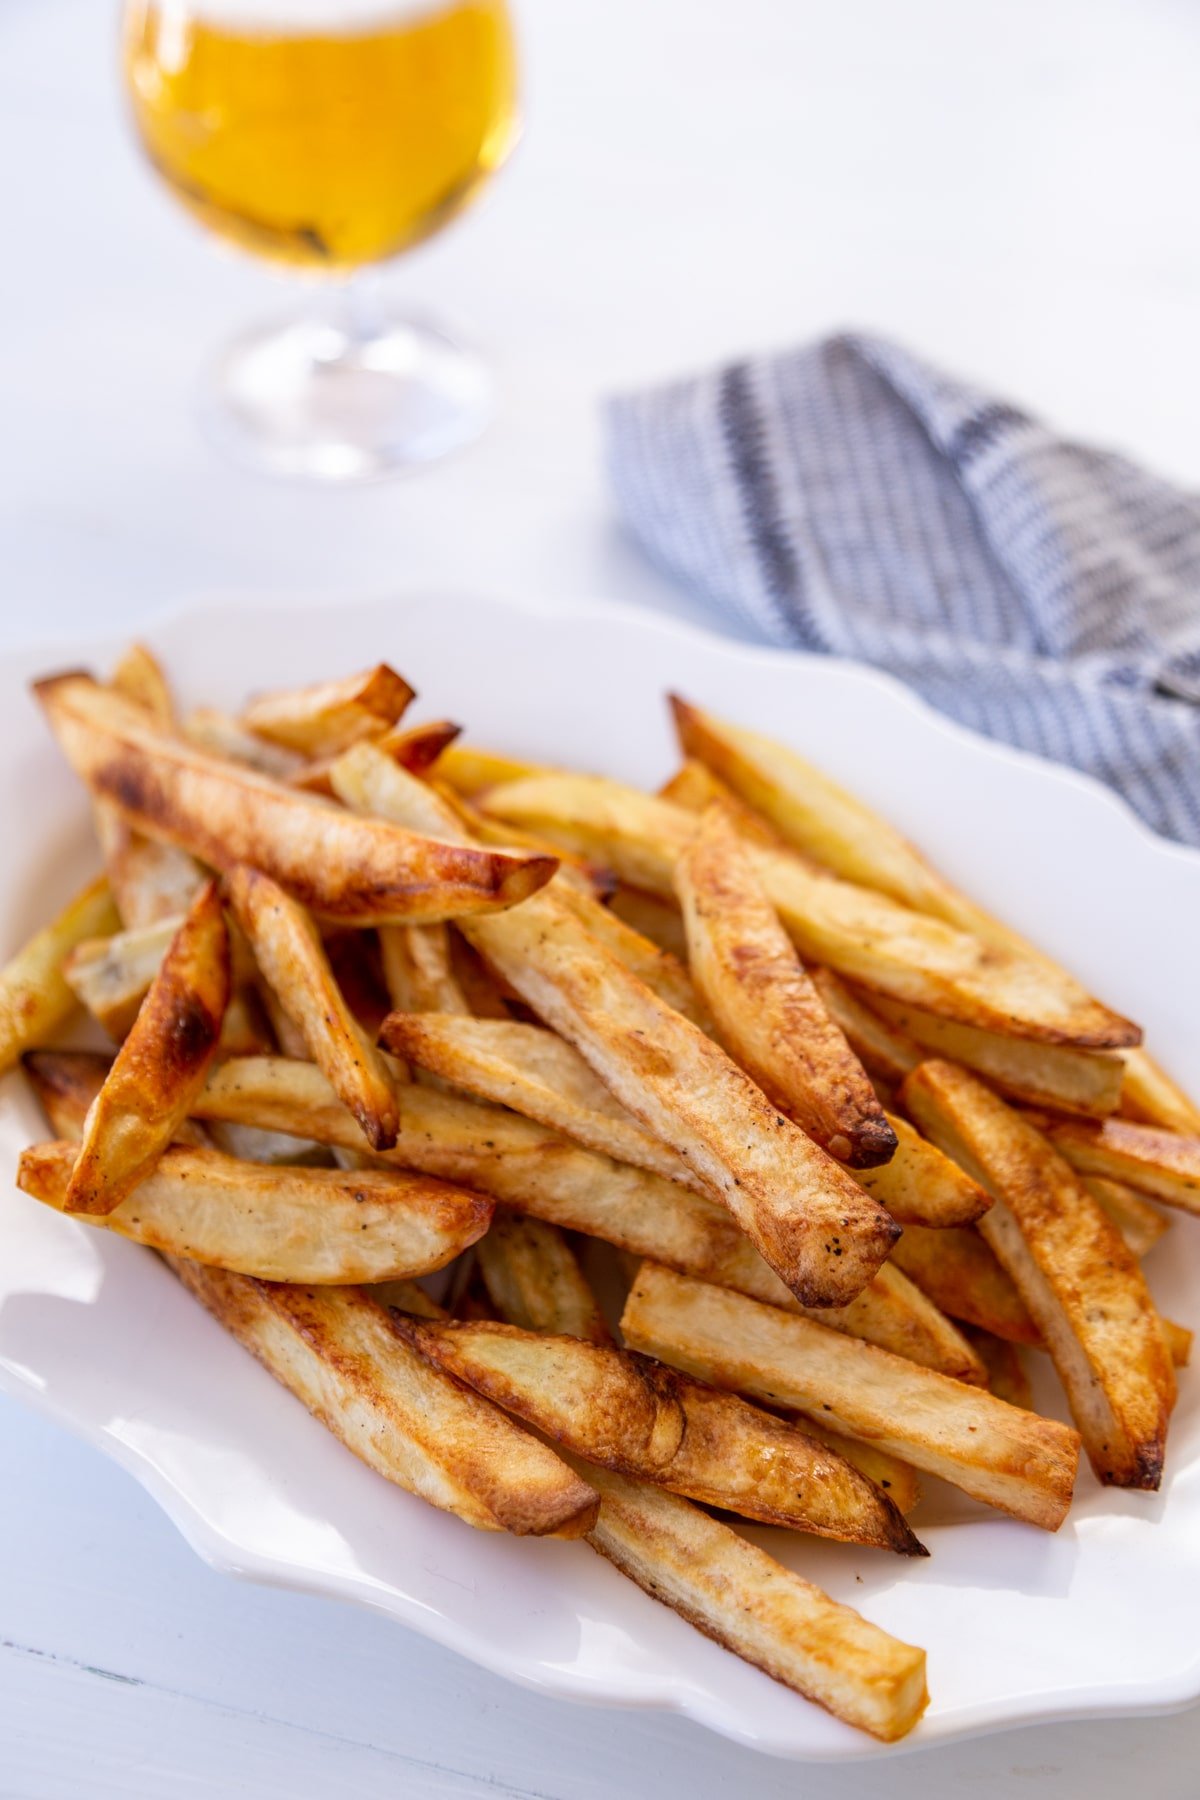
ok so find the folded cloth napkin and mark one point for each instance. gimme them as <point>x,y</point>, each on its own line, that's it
<point>849,498</point>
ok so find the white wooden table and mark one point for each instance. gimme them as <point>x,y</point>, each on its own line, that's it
<point>1008,185</point>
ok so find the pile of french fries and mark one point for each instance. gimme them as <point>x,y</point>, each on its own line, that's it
<point>845,1148</point>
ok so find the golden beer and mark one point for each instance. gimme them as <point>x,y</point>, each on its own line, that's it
<point>324,133</point>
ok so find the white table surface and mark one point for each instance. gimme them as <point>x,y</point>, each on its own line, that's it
<point>1009,185</point>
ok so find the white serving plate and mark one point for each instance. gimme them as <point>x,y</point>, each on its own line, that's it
<point>1019,1626</point>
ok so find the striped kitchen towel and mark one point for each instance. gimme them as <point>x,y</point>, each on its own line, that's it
<point>849,498</point>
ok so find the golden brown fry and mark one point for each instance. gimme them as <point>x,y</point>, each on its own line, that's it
<point>1150,1095</point>
<point>536,1171</point>
<point>1007,1378</point>
<point>65,1083</point>
<point>897,1479</point>
<point>111,976</point>
<point>661,972</point>
<point>1159,1163</point>
<point>337,1352</point>
<point>921,1186</point>
<point>1011,1459</point>
<point>415,747</point>
<point>805,1215</point>
<point>734,1592</point>
<point>1081,1284</point>
<point>1179,1342</point>
<point>369,783</point>
<point>326,718</point>
<point>478,987</point>
<point>632,1415</point>
<point>535,1281</point>
<point>1139,1223</point>
<point>279,1223</point>
<point>470,770</point>
<point>696,788</point>
<point>358,870</point>
<point>418,969</point>
<point>651,917</point>
<point>537,1074</point>
<point>408,1296</point>
<point>817,817</point>
<point>35,997</point>
<point>860,932</point>
<point>290,954</point>
<point>883,1051</point>
<point>594,1399</point>
<point>1056,1075</point>
<point>214,731</point>
<point>149,881</point>
<point>161,1066</point>
<point>768,1014</point>
<point>140,677</point>
<point>959,1273</point>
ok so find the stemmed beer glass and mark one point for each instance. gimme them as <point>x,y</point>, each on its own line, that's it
<point>329,136</point>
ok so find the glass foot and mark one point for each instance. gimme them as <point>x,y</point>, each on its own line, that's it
<point>329,401</point>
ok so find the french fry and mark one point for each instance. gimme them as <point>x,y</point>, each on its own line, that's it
<point>1013,1460</point>
<point>408,1296</point>
<point>805,1215</point>
<point>768,1014</point>
<point>1179,1342</point>
<point>632,1415</point>
<point>367,782</point>
<point>651,917</point>
<point>357,870</point>
<point>535,1171</point>
<point>418,969</point>
<point>335,1349</point>
<point>149,881</point>
<point>817,817</point>
<point>326,718</point>
<point>1007,1378</point>
<point>921,1186</point>
<point>289,952</point>
<point>35,997</point>
<point>734,1592</point>
<point>65,1082</point>
<point>479,989</point>
<point>414,747</point>
<point>212,730</point>
<point>537,1074</point>
<point>1150,1095</point>
<point>161,1066</point>
<point>959,1273</point>
<point>357,969</point>
<point>470,770</point>
<point>882,1050</point>
<point>1081,1284</point>
<point>1138,1222</point>
<point>111,976</point>
<point>897,1479</point>
<point>535,1281</point>
<point>281,1224</point>
<point>1159,1163</point>
<point>1054,1075</point>
<point>859,931</point>
<point>140,677</point>
<point>661,972</point>
<point>696,788</point>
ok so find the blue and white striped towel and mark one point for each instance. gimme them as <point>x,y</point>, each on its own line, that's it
<point>848,498</point>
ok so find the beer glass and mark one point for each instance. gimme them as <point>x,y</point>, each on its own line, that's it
<point>328,136</point>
